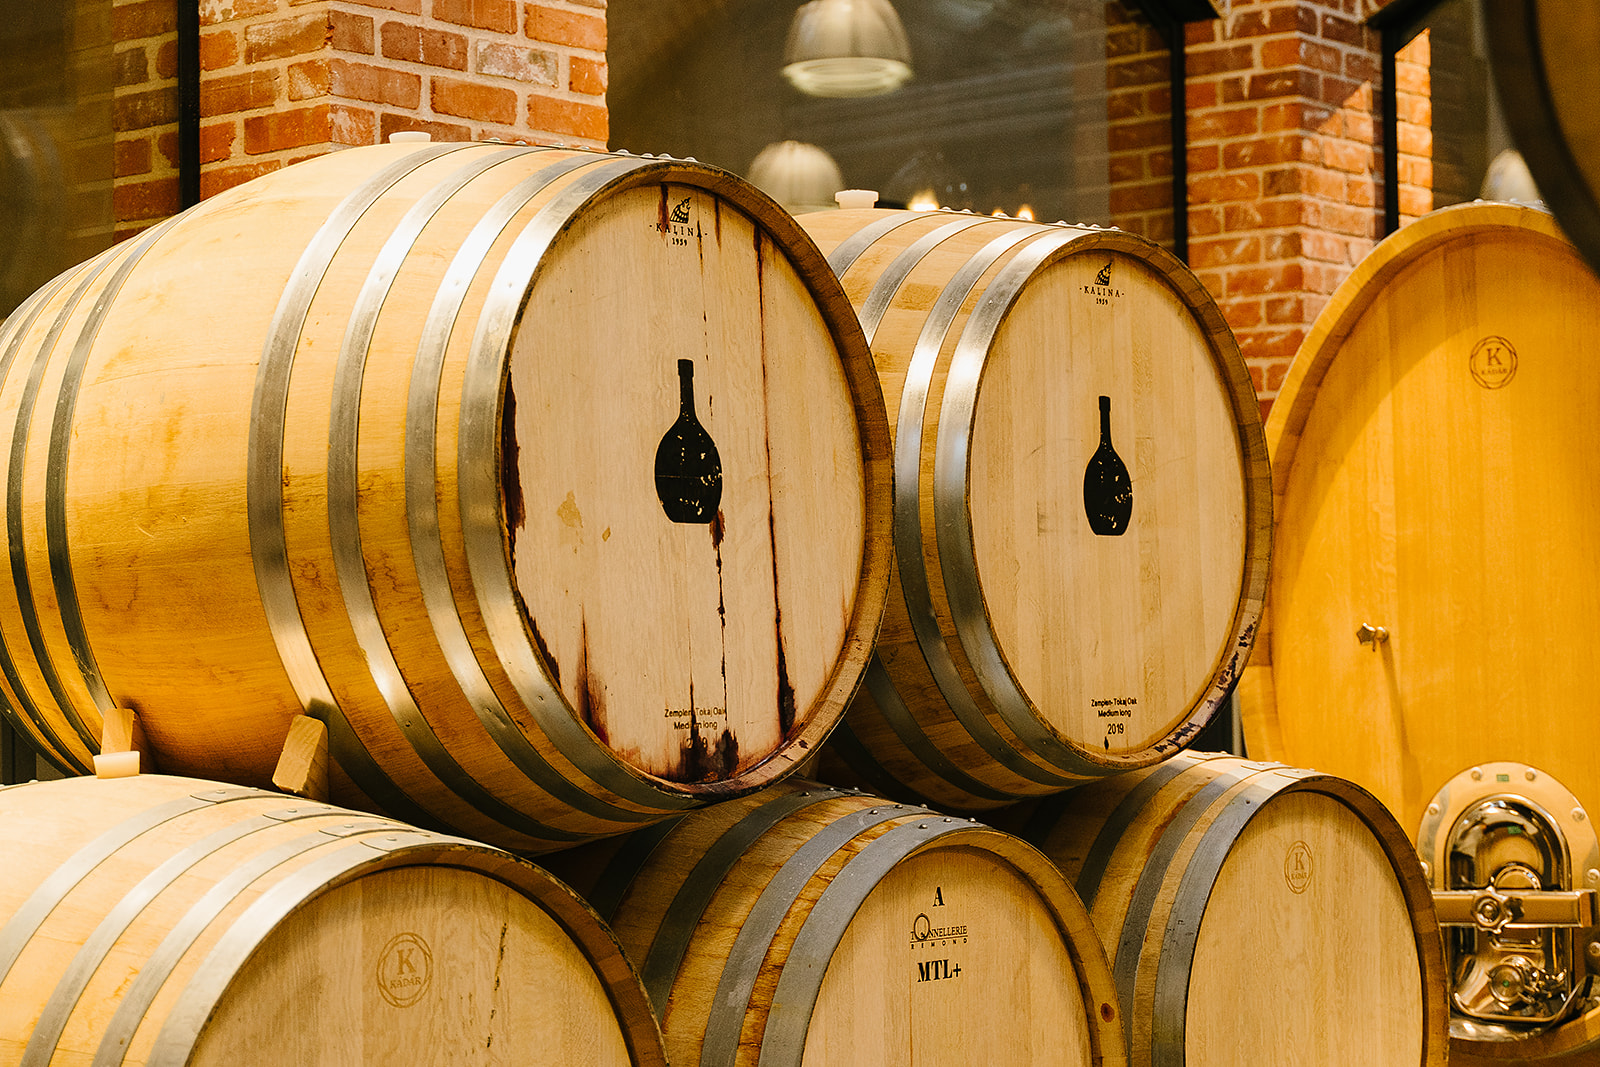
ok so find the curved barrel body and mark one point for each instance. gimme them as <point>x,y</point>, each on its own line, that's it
<point>1082,509</point>
<point>171,921</point>
<point>814,926</point>
<point>554,482</point>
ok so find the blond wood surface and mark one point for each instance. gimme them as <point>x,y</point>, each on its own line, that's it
<point>504,983</point>
<point>479,687</point>
<point>969,948</point>
<point>643,619</point>
<point>1253,914</point>
<point>1083,653</point>
<point>1458,517</point>
<point>1007,963</point>
<point>436,951</point>
<point>1342,948</point>
<point>303,766</point>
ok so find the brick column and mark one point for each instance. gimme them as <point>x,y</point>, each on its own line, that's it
<point>144,113</point>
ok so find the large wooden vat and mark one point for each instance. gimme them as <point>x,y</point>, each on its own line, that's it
<point>1545,56</point>
<point>1082,510</point>
<point>1433,601</point>
<point>555,482</point>
<point>1252,914</point>
<point>818,926</point>
<point>170,921</point>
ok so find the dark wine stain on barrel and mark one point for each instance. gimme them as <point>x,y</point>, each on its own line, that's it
<point>664,223</point>
<point>591,694</point>
<point>786,708</point>
<point>551,667</point>
<point>718,525</point>
<point>510,480</point>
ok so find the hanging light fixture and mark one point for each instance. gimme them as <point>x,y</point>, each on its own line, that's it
<point>846,48</point>
<point>801,177</point>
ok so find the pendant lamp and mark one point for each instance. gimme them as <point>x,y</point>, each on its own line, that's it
<point>846,48</point>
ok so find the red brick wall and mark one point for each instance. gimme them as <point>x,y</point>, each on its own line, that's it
<point>282,80</point>
<point>144,113</point>
<point>1139,125</point>
<point>1284,188</point>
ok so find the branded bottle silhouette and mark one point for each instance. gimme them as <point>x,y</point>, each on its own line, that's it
<point>688,469</point>
<point>1107,490</point>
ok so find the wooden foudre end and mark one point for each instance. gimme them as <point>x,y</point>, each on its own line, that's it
<point>303,767</point>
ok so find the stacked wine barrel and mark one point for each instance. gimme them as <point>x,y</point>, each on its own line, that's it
<point>558,491</point>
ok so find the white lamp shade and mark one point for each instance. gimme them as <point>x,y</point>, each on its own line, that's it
<point>800,176</point>
<point>847,48</point>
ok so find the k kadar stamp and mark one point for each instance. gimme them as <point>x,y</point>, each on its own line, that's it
<point>405,970</point>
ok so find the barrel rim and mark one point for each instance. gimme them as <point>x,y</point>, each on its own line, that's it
<point>1228,362</point>
<point>872,588</point>
<point>1296,399</point>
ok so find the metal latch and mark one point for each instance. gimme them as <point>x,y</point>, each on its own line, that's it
<point>1514,865</point>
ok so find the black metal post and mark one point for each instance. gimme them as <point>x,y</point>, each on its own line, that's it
<point>188,102</point>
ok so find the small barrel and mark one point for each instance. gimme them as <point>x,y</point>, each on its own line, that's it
<point>171,921</point>
<point>1252,914</point>
<point>555,482</point>
<point>1545,58</point>
<point>824,926</point>
<point>1082,503</point>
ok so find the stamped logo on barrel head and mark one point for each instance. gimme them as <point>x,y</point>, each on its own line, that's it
<point>1297,867</point>
<point>1493,362</point>
<point>405,969</point>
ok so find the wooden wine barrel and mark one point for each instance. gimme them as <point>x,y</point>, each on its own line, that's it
<point>1545,58</point>
<point>1434,464</point>
<point>1252,914</point>
<point>169,921</point>
<point>817,926</point>
<point>1082,510</point>
<point>1434,587</point>
<point>555,482</point>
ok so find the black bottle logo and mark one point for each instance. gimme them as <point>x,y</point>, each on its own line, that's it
<point>1107,490</point>
<point>688,469</point>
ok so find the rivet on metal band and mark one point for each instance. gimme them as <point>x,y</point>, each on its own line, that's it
<point>26,920</point>
<point>422,515</point>
<point>908,532</point>
<point>206,986</point>
<point>479,493</point>
<point>268,416</point>
<point>661,963</point>
<point>55,487</point>
<point>721,1045</point>
<point>783,1042</point>
<point>344,524</point>
<point>954,522</point>
<point>69,987</point>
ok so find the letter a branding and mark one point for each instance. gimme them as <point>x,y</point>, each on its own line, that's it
<point>404,970</point>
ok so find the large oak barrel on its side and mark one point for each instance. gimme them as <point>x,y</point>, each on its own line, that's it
<point>1434,596</point>
<point>824,927</point>
<point>1252,914</point>
<point>1082,509</point>
<point>170,921</point>
<point>555,482</point>
<point>1545,57</point>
